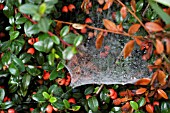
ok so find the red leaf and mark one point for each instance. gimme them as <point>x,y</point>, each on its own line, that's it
<point>123,12</point>
<point>161,77</point>
<point>109,25</point>
<point>143,81</point>
<point>133,29</point>
<point>108,4</point>
<point>133,5</point>
<point>159,46</point>
<point>153,27</point>
<point>99,40</point>
<point>162,93</point>
<point>149,108</point>
<point>128,48</point>
<point>140,91</point>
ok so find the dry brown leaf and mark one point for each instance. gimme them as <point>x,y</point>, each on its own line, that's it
<point>101,2</point>
<point>58,26</point>
<point>143,81</point>
<point>108,4</point>
<point>133,29</point>
<point>159,46</point>
<point>120,27</point>
<point>158,61</point>
<point>162,93</point>
<point>128,48</point>
<point>138,41</point>
<point>117,101</point>
<point>78,26</point>
<point>99,40</point>
<point>123,12</point>
<point>161,77</point>
<point>140,91</point>
<point>126,107</point>
<point>133,5</point>
<point>154,76</point>
<point>109,25</point>
<point>167,45</point>
<point>153,27</point>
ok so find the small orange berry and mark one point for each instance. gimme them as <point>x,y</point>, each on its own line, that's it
<point>61,81</point>
<point>65,9</point>
<point>46,75</point>
<point>11,110</point>
<point>49,109</point>
<point>114,96</point>
<point>88,20</point>
<point>72,100</point>
<point>36,39</point>
<point>31,109</point>
<point>1,6</point>
<point>83,31</point>
<point>31,41</point>
<point>88,96</point>
<point>71,7</point>
<point>112,92</point>
<point>156,103</point>
<point>31,51</point>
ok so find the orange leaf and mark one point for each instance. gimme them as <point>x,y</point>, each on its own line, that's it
<point>133,5</point>
<point>162,93</point>
<point>161,77</point>
<point>128,48</point>
<point>101,2</point>
<point>120,27</point>
<point>79,26</point>
<point>109,25</point>
<point>149,108</point>
<point>158,61</point>
<point>138,41</point>
<point>123,12</point>
<point>140,91</point>
<point>159,46</point>
<point>126,107</point>
<point>99,40</point>
<point>153,27</point>
<point>133,29</point>
<point>143,81</point>
<point>108,4</point>
<point>167,45</point>
<point>154,76</point>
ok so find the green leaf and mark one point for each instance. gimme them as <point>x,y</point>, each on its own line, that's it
<point>59,104</point>
<point>69,38</point>
<point>28,8</point>
<point>20,20</point>
<point>93,103</point>
<point>13,35</point>
<point>2,94</point>
<point>164,107</point>
<point>139,5</point>
<point>66,104</point>
<point>8,11</point>
<point>6,58</point>
<point>38,97</point>
<point>44,25</point>
<point>78,40</point>
<point>52,100</point>
<point>51,58</point>
<point>164,2</point>
<point>26,81</point>
<point>68,53</point>
<point>46,95</point>
<point>36,17</point>
<point>53,74</point>
<point>51,1</point>
<point>89,90</point>
<point>19,63</point>
<point>165,17</point>
<point>13,69</point>
<point>60,65</point>
<point>30,29</point>
<point>64,31</point>
<point>141,102</point>
<point>32,70</point>
<point>7,105</point>
<point>42,8</point>
<point>5,45</point>
<point>134,105</point>
<point>55,39</point>
<point>11,20</point>
<point>25,57</point>
<point>75,108</point>
<point>103,95</point>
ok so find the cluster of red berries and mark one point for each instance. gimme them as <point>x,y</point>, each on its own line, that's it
<point>70,7</point>
<point>31,41</point>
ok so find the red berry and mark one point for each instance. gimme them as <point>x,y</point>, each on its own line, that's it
<point>1,6</point>
<point>31,109</point>
<point>31,51</point>
<point>65,9</point>
<point>31,41</point>
<point>156,103</point>
<point>11,110</point>
<point>72,100</point>
<point>88,20</point>
<point>2,111</point>
<point>46,75</point>
<point>71,7</point>
<point>83,31</point>
<point>49,109</point>
<point>36,39</point>
<point>112,92</point>
<point>88,96</point>
<point>61,81</point>
<point>114,96</point>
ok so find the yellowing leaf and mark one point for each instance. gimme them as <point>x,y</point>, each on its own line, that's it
<point>108,4</point>
<point>109,25</point>
<point>78,26</point>
<point>162,93</point>
<point>99,40</point>
<point>140,91</point>
<point>143,81</point>
<point>128,48</point>
<point>123,12</point>
<point>153,27</point>
<point>161,77</point>
<point>133,29</point>
<point>159,46</point>
<point>133,5</point>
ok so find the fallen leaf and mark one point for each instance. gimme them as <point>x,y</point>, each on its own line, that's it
<point>108,4</point>
<point>153,78</point>
<point>138,41</point>
<point>149,108</point>
<point>128,48</point>
<point>79,26</point>
<point>161,77</point>
<point>133,29</point>
<point>109,25</point>
<point>162,93</point>
<point>133,5</point>
<point>140,91</point>
<point>126,107</point>
<point>99,40</point>
<point>153,27</point>
<point>143,81</point>
<point>159,46</point>
<point>117,101</point>
<point>158,61</point>
<point>123,12</point>
<point>120,27</point>
<point>101,2</point>
<point>167,45</point>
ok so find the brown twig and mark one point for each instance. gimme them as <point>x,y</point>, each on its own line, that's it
<point>99,90</point>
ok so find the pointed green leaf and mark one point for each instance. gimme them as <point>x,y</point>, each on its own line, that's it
<point>68,53</point>
<point>93,103</point>
<point>13,35</point>
<point>60,66</point>
<point>141,102</point>
<point>44,25</point>
<point>53,74</point>
<point>66,104</point>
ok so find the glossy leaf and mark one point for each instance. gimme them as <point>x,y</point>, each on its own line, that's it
<point>123,12</point>
<point>167,45</point>
<point>56,40</point>
<point>162,93</point>
<point>13,69</point>
<point>133,29</point>
<point>141,102</point>
<point>149,108</point>
<point>133,5</point>
<point>99,40</point>
<point>164,2</point>
<point>89,90</point>
<point>30,29</point>
<point>109,25</point>
<point>51,58</point>
<point>134,105</point>
<point>75,108</point>
<point>19,63</point>
<point>153,27</point>
<point>42,8</point>
<point>161,77</point>
<point>26,79</point>
<point>46,95</point>
<point>2,94</point>
<point>66,103</point>
<point>140,91</point>
<point>38,97</point>
<point>52,99</point>
<point>54,74</point>
<point>69,38</point>
<point>68,53</point>
<point>78,40</point>
<point>159,46</point>
<point>93,103</point>
<point>143,81</point>
<point>128,48</point>
<point>28,8</point>
<point>108,4</point>
<point>14,34</point>
<point>64,31</point>
<point>139,5</point>
<point>60,65</point>
<point>44,25</point>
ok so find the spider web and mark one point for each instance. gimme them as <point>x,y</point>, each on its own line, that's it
<point>106,65</point>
